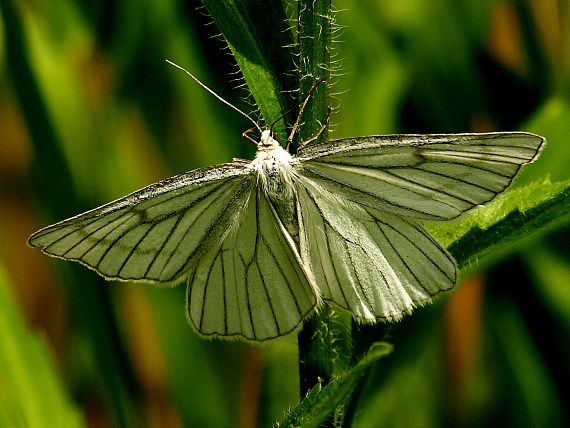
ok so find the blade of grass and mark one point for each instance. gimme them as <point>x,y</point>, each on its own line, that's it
<point>31,392</point>
<point>88,293</point>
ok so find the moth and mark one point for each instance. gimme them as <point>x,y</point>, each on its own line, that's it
<point>261,244</point>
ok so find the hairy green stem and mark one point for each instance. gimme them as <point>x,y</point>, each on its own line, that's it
<point>315,42</point>
<point>317,351</point>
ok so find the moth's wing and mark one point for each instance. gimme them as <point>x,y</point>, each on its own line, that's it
<point>156,233</point>
<point>433,177</point>
<point>253,286</point>
<point>375,264</point>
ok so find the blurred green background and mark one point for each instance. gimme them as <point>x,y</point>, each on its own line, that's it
<point>90,111</point>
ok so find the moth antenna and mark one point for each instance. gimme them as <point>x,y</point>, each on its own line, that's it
<point>216,95</point>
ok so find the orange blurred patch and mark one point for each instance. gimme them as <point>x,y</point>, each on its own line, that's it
<point>15,146</point>
<point>147,357</point>
<point>504,40</point>
<point>250,387</point>
<point>33,284</point>
<point>463,316</point>
<point>96,77</point>
<point>552,21</point>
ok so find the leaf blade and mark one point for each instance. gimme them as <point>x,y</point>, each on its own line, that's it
<point>320,402</point>
<point>261,42</point>
<point>531,208</point>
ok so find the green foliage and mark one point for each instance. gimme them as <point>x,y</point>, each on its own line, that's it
<point>315,39</point>
<point>516,214</point>
<point>321,402</point>
<point>32,392</point>
<point>262,44</point>
<point>94,112</point>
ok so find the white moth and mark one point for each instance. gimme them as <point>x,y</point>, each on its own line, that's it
<point>262,243</point>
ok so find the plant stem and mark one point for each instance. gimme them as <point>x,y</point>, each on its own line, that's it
<point>363,337</point>
<point>315,41</point>
<point>317,351</point>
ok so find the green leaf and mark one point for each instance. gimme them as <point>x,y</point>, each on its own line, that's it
<point>508,219</point>
<point>322,402</point>
<point>31,392</point>
<point>262,43</point>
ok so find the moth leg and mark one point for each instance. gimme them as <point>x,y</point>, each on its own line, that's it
<point>316,83</point>
<point>245,135</point>
<point>319,132</point>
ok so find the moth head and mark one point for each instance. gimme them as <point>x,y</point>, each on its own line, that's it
<point>267,140</point>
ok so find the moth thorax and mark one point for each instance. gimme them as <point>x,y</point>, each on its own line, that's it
<point>275,177</point>
<point>273,169</point>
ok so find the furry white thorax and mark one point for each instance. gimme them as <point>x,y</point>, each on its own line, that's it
<point>272,165</point>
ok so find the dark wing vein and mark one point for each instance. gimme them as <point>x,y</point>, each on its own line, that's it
<point>421,176</point>
<point>152,234</point>
<point>262,268</point>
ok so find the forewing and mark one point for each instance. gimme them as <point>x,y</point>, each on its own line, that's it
<point>156,233</point>
<point>253,285</point>
<point>422,176</point>
<point>375,264</point>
